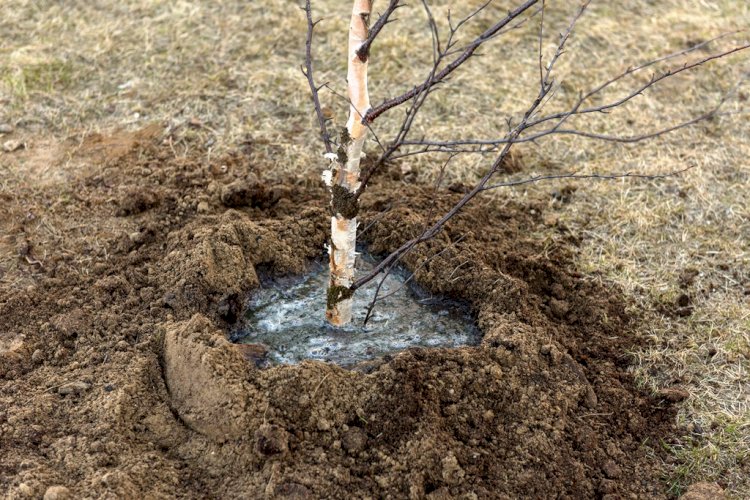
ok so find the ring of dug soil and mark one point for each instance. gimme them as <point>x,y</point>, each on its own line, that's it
<point>283,322</point>
<point>542,405</point>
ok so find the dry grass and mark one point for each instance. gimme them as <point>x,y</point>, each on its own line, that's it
<point>70,68</point>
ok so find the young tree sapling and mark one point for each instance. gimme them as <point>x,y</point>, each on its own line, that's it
<point>346,180</point>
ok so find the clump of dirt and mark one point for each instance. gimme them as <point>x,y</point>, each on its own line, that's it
<point>118,379</point>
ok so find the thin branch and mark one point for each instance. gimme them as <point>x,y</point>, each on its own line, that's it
<point>373,113</point>
<point>541,38</point>
<point>434,32</point>
<point>575,110</point>
<point>678,53</point>
<point>453,147</point>
<point>364,51</point>
<point>412,275</point>
<point>437,226</point>
<point>489,145</point>
<point>424,230</point>
<point>511,27</point>
<point>468,18</point>
<point>573,175</point>
<point>308,72</point>
<point>429,86</point>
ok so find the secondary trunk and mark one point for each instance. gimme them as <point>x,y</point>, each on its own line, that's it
<point>344,177</point>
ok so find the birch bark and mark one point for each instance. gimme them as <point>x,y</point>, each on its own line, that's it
<point>344,177</point>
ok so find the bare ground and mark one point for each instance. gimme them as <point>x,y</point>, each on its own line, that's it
<point>225,78</point>
<point>118,378</point>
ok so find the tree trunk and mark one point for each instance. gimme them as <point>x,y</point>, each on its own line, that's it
<point>344,177</point>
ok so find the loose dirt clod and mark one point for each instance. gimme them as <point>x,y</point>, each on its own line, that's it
<point>543,406</point>
<point>354,440</point>
<point>74,388</point>
<point>250,192</point>
<point>255,353</point>
<point>57,493</point>
<point>271,440</point>
<point>704,491</point>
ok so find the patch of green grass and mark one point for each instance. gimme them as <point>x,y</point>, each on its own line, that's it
<point>709,459</point>
<point>46,77</point>
<point>54,76</point>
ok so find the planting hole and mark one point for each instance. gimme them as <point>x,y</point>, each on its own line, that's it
<point>286,316</point>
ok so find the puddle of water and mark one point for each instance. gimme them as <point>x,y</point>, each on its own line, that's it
<point>288,316</point>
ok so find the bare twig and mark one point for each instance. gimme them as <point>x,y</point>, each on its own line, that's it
<point>422,92</point>
<point>424,230</point>
<point>376,298</point>
<point>575,110</point>
<point>489,145</point>
<point>434,32</point>
<point>573,175</point>
<point>376,111</point>
<point>454,147</point>
<point>437,226</point>
<point>307,70</point>
<point>541,39</point>
<point>364,51</point>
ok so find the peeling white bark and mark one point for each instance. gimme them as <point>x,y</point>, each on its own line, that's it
<point>343,229</point>
<point>342,258</point>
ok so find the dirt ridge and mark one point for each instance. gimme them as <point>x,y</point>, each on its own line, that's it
<point>163,405</point>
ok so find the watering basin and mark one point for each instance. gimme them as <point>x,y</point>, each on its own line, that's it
<point>287,316</point>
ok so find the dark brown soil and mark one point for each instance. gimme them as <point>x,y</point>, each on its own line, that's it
<point>116,378</point>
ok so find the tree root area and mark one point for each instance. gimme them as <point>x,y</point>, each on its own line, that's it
<point>116,377</point>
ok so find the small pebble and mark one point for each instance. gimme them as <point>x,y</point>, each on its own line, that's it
<point>136,237</point>
<point>674,394</point>
<point>57,493</point>
<point>37,357</point>
<point>6,128</point>
<point>25,490</point>
<point>203,207</point>
<point>74,388</point>
<point>13,145</point>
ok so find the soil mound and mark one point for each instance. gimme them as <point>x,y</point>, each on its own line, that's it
<point>116,377</point>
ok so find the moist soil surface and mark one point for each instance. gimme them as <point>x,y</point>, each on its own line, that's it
<point>129,262</point>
